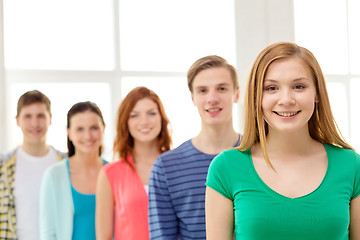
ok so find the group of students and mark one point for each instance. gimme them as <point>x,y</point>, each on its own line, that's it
<point>290,176</point>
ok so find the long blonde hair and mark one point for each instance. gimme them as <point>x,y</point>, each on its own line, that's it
<point>322,125</point>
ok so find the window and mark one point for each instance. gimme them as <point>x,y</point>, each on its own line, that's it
<point>329,28</point>
<point>99,50</point>
<point>64,35</point>
<point>164,35</point>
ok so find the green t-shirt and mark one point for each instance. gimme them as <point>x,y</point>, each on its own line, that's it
<point>262,213</point>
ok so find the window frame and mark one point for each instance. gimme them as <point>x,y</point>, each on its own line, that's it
<point>257,24</point>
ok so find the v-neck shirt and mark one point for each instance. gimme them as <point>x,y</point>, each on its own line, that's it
<point>262,213</point>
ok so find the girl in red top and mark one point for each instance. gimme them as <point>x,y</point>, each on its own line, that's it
<point>122,197</point>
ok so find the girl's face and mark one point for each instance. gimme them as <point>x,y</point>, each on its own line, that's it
<point>144,122</point>
<point>86,132</point>
<point>289,96</point>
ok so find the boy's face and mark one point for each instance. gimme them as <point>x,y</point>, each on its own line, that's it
<point>34,120</point>
<point>214,94</point>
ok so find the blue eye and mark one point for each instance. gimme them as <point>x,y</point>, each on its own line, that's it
<point>133,115</point>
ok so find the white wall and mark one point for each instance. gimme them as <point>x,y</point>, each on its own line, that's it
<point>2,84</point>
<point>260,23</point>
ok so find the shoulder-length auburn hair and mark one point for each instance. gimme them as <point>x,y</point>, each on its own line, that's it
<point>124,142</point>
<point>322,125</point>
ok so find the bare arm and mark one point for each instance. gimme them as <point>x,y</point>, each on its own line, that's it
<point>104,220</point>
<point>219,216</point>
<point>355,219</point>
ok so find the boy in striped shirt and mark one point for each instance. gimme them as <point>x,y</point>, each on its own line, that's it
<point>177,181</point>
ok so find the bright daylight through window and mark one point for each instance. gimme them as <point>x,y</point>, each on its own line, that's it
<point>113,47</point>
<point>334,42</point>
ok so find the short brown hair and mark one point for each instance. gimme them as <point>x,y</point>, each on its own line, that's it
<point>124,142</point>
<point>207,62</point>
<point>32,97</point>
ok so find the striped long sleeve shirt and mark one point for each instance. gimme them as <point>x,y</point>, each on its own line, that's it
<point>177,193</point>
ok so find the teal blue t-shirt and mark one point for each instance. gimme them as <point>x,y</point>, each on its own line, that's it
<point>84,214</point>
<point>262,213</point>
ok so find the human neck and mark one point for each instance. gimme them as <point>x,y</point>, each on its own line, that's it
<point>213,140</point>
<point>289,144</point>
<point>86,160</point>
<point>35,149</point>
<point>145,152</point>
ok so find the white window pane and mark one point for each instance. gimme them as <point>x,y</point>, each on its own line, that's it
<point>339,106</point>
<point>321,27</point>
<point>62,97</point>
<point>176,98</point>
<point>163,35</point>
<point>65,35</point>
<point>354,36</point>
<point>355,113</point>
